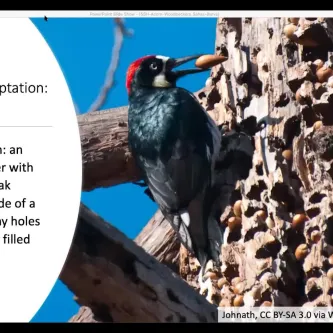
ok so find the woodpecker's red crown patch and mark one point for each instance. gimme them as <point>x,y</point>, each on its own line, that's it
<point>132,69</point>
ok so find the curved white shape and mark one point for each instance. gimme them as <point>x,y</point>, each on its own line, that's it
<point>29,271</point>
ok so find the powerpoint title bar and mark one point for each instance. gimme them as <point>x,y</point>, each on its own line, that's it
<point>160,13</point>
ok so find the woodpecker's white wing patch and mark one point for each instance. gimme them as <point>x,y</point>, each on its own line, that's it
<point>185,216</point>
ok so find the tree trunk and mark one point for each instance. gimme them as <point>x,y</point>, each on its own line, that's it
<point>278,217</point>
<point>281,252</point>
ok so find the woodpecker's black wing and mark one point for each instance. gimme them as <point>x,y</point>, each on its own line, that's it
<point>180,171</point>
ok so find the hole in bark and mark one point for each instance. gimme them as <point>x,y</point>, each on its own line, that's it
<point>309,116</point>
<point>279,49</point>
<point>280,76</point>
<point>292,53</point>
<point>255,51</point>
<point>316,197</point>
<point>292,129</point>
<point>314,53</point>
<point>250,211</point>
<point>202,95</point>
<point>231,272</point>
<point>235,195</point>
<point>269,250</point>
<point>248,20</point>
<point>313,212</point>
<point>250,234</point>
<point>265,67</point>
<point>328,233</point>
<point>235,235</point>
<point>224,51</point>
<point>259,169</point>
<point>314,293</point>
<point>266,296</point>
<point>256,190</point>
<point>283,101</point>
<point>280,193</point>
<point>270,32</point>
<point>213,98</point>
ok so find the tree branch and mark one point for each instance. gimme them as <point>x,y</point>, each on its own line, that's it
<point>120,282</point>
<point>106,157</point>
<point>120,32</point>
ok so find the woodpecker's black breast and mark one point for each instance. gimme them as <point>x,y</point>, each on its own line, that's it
<point>170,138</point>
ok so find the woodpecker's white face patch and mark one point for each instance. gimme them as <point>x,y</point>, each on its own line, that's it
<point>160,80</point>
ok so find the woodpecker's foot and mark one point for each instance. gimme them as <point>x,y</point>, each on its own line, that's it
<point>206,286</point>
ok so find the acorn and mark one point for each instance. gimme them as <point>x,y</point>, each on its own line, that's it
<point>238,288</point>
<point>234,222</point>
<point>317,125</point>
<point>287,154</point>
<point>298,220</point>
<point>324,73</point>
<point>318,64</point>
<point>293,20</point>
<point>315,236</point>
<point>301,252</point>
<point>299,98</point>
<point>289,30</point>
<point>235,280</point>
<point>209,60</point>
<point>330,273</point>
<point>221,282</point>
<point>238,208</point>
<point>211,275</point>
<point>238,300</point>
<point>261,214</point>
<point>266,303</point>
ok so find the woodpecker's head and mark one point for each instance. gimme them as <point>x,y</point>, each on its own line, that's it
<point>157,72</point>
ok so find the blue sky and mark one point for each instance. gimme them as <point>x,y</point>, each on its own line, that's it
<point>83,48</point>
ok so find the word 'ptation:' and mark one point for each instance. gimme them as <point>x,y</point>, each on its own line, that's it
<point>22,88</point>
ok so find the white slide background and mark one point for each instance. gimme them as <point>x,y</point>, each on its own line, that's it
<point>45,127</point>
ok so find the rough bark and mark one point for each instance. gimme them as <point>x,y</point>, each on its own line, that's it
<point>120,282</point>
<point>105,155</point>
<point>275,255</point>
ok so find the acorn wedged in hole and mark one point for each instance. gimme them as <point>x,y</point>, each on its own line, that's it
<point>209,60</point>
<point>289,31</point>
<point>298,221</point>
<point>301,252</point>
<point>324,73</point>
<point>318,124</point>
<point>238,208</point>
<point>234,223</point>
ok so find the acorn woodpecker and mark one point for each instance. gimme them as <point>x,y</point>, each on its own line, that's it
<point>175,144</point>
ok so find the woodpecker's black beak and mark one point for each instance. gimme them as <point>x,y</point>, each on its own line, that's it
<point>173,63</point>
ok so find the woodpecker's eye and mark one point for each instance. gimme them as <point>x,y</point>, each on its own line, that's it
<point>153,66</point>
